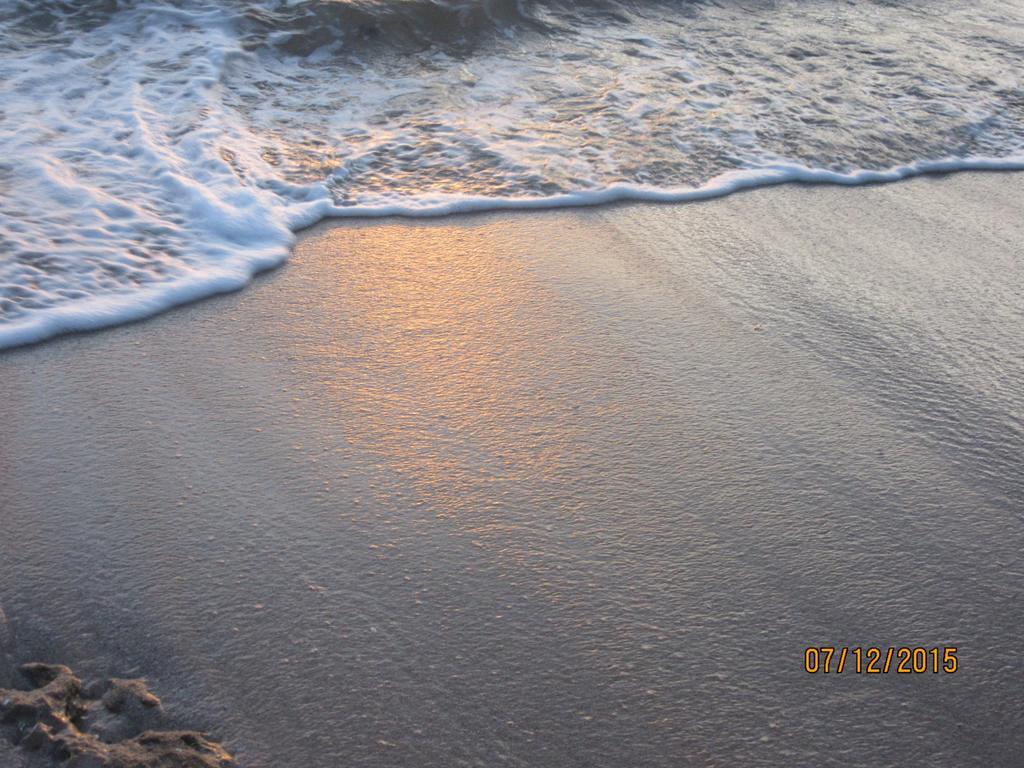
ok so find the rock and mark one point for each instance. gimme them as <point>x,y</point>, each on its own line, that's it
<point>37,739</point>
<point>165,746</point>
<point>55,692</point>
<point>100,725</point>
<point>127,708</point>
<point>122,694</point>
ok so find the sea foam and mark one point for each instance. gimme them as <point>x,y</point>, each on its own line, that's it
<point>152,154</point>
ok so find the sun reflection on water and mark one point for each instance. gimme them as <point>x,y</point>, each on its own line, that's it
<point>448,353</point>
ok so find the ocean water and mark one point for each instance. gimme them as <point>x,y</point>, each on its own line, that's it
<point>155,152</point>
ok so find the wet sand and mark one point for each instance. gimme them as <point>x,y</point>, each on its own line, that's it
<point>572,488</point>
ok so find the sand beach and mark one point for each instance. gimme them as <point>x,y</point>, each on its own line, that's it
<point>564,488</point>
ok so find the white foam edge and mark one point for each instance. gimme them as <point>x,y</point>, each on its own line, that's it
<point>117,308</point>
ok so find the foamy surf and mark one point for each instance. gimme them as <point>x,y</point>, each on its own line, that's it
<point>154,154</point>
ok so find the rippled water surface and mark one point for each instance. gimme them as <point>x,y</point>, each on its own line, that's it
<point>571,489</point>
<point>156,152</point>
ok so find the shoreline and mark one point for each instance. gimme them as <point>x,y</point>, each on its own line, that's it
<point>110,310</point>
<point>573,488</point>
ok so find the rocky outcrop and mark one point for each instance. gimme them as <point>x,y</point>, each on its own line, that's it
<point>104,724</point>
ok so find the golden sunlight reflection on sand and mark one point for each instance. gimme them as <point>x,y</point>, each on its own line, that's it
<point>460,384</point>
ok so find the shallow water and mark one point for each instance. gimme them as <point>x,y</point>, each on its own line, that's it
<point>158,152</point>
<point>568,489</point>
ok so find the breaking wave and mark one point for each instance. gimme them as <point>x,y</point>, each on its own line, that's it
<point>153,153</point>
